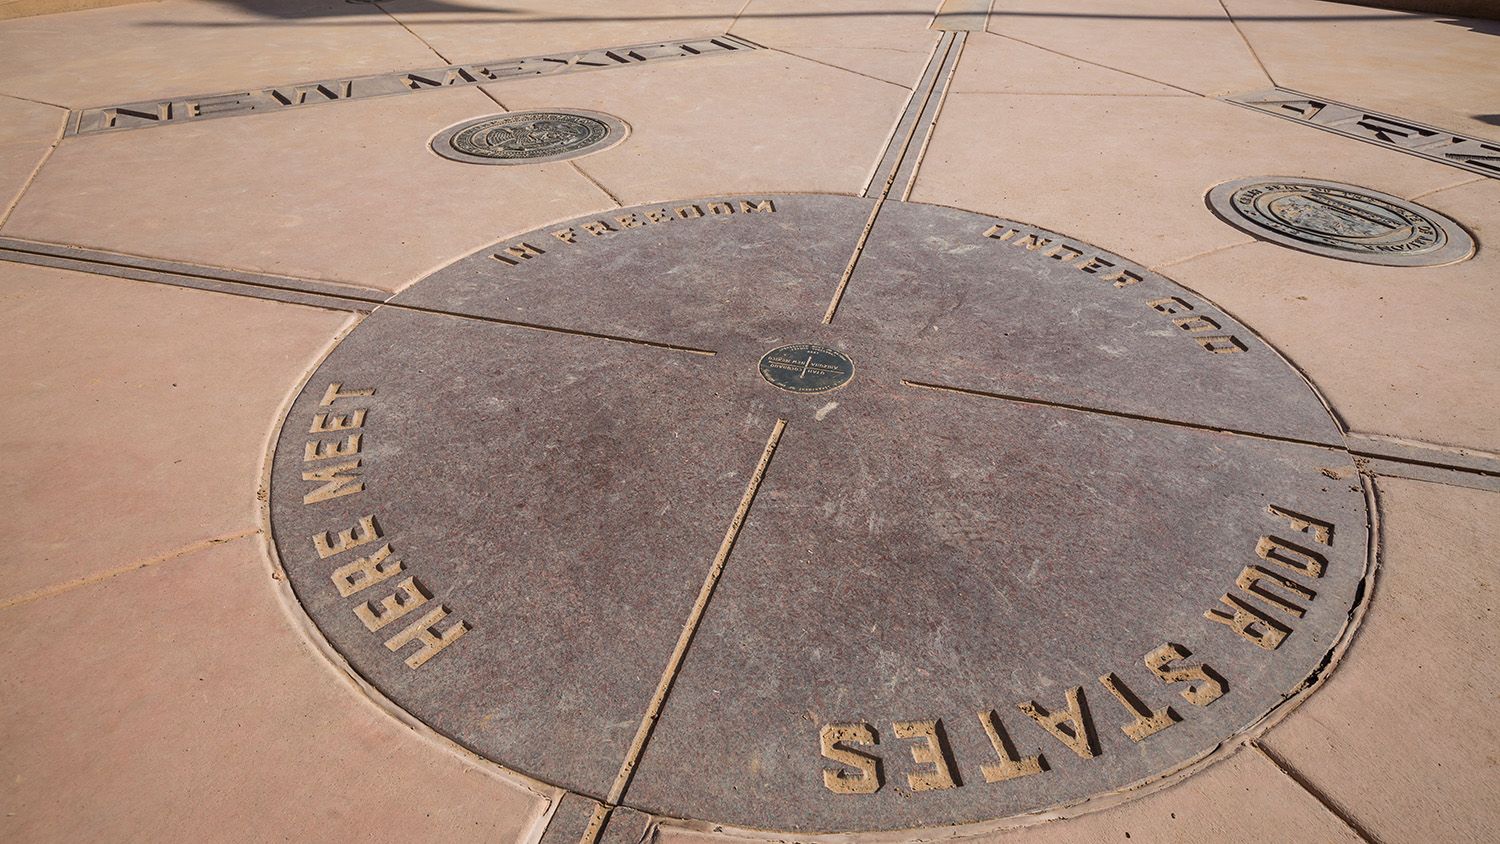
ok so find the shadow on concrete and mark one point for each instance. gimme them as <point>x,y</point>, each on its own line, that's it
<point>442,11</point>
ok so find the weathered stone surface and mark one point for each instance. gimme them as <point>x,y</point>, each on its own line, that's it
<point>1020,504</point>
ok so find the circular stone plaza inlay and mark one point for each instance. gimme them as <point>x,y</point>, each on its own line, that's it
<point>530,137</point>
<point>806,368</point>
<point>1071,529</point>
<point>1341,221</point>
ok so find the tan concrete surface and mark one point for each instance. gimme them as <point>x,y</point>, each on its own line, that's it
<point>178,47</point>
<point>689,141</point>
<point>1243,798</point>
<point>900,67</point>
<point>1477,8</point>
<point>177,703</point>
<point>1435,70</point>
<point>136,416</point>
<point>478,30</point>
<point>1130,177</point>
<point>1403,737</point>
<point>362,200</point>
<point>870,24</point>
<point>1406,352</point>
<point>995,65</point>
<point>1191,44</point>
<point>27,131</point>
<point>27,8</point>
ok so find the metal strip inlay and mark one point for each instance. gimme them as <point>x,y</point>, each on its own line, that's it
<point>1466,153</point>
<point>139,115</point>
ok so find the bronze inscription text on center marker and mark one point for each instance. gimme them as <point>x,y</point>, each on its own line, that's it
<point>806,368</point>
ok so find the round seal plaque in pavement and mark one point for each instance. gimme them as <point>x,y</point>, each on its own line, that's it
<point>806,368</point>
<point>530,137</point>
<point>1071,528</point>
<point>1341,221</point>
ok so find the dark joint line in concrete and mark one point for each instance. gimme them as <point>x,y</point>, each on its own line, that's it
<point>674,663</point>
<point>192,108</point>
<point>1395,133</point>
<point>1117,414</point>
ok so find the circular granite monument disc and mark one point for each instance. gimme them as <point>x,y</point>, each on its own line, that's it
<point>1341,221</point>
<point>1070,529</point>
<point>530,137</point>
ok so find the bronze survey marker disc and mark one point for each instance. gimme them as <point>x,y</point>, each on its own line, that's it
<point>1070,528</point>
<point>806,368</point>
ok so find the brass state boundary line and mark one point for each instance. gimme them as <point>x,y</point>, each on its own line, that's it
<point>684,639</point>
<point>1399,134</point>
<point>1118,414</point>
<point>912,129</point>
<point>1417,461</point>
<point>284,289</point>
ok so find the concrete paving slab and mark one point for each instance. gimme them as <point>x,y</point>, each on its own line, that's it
<point>1369,368</point>
<point>28,131</point>
<point>689,141</point>
<point>349,192</point>
<point>171,393</point>
<point>189,708</point>
<point>28,122</point>
<point>1429,635</point>
<point>1244,797</point>
<point>1138,188</point>
<point>995,65</point>
<point>882,24</point>
<point>105,56</point>
<point>1432,69</point>
<point>899,67</point>
<point>476,30</point>
<point>1190,44</point>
